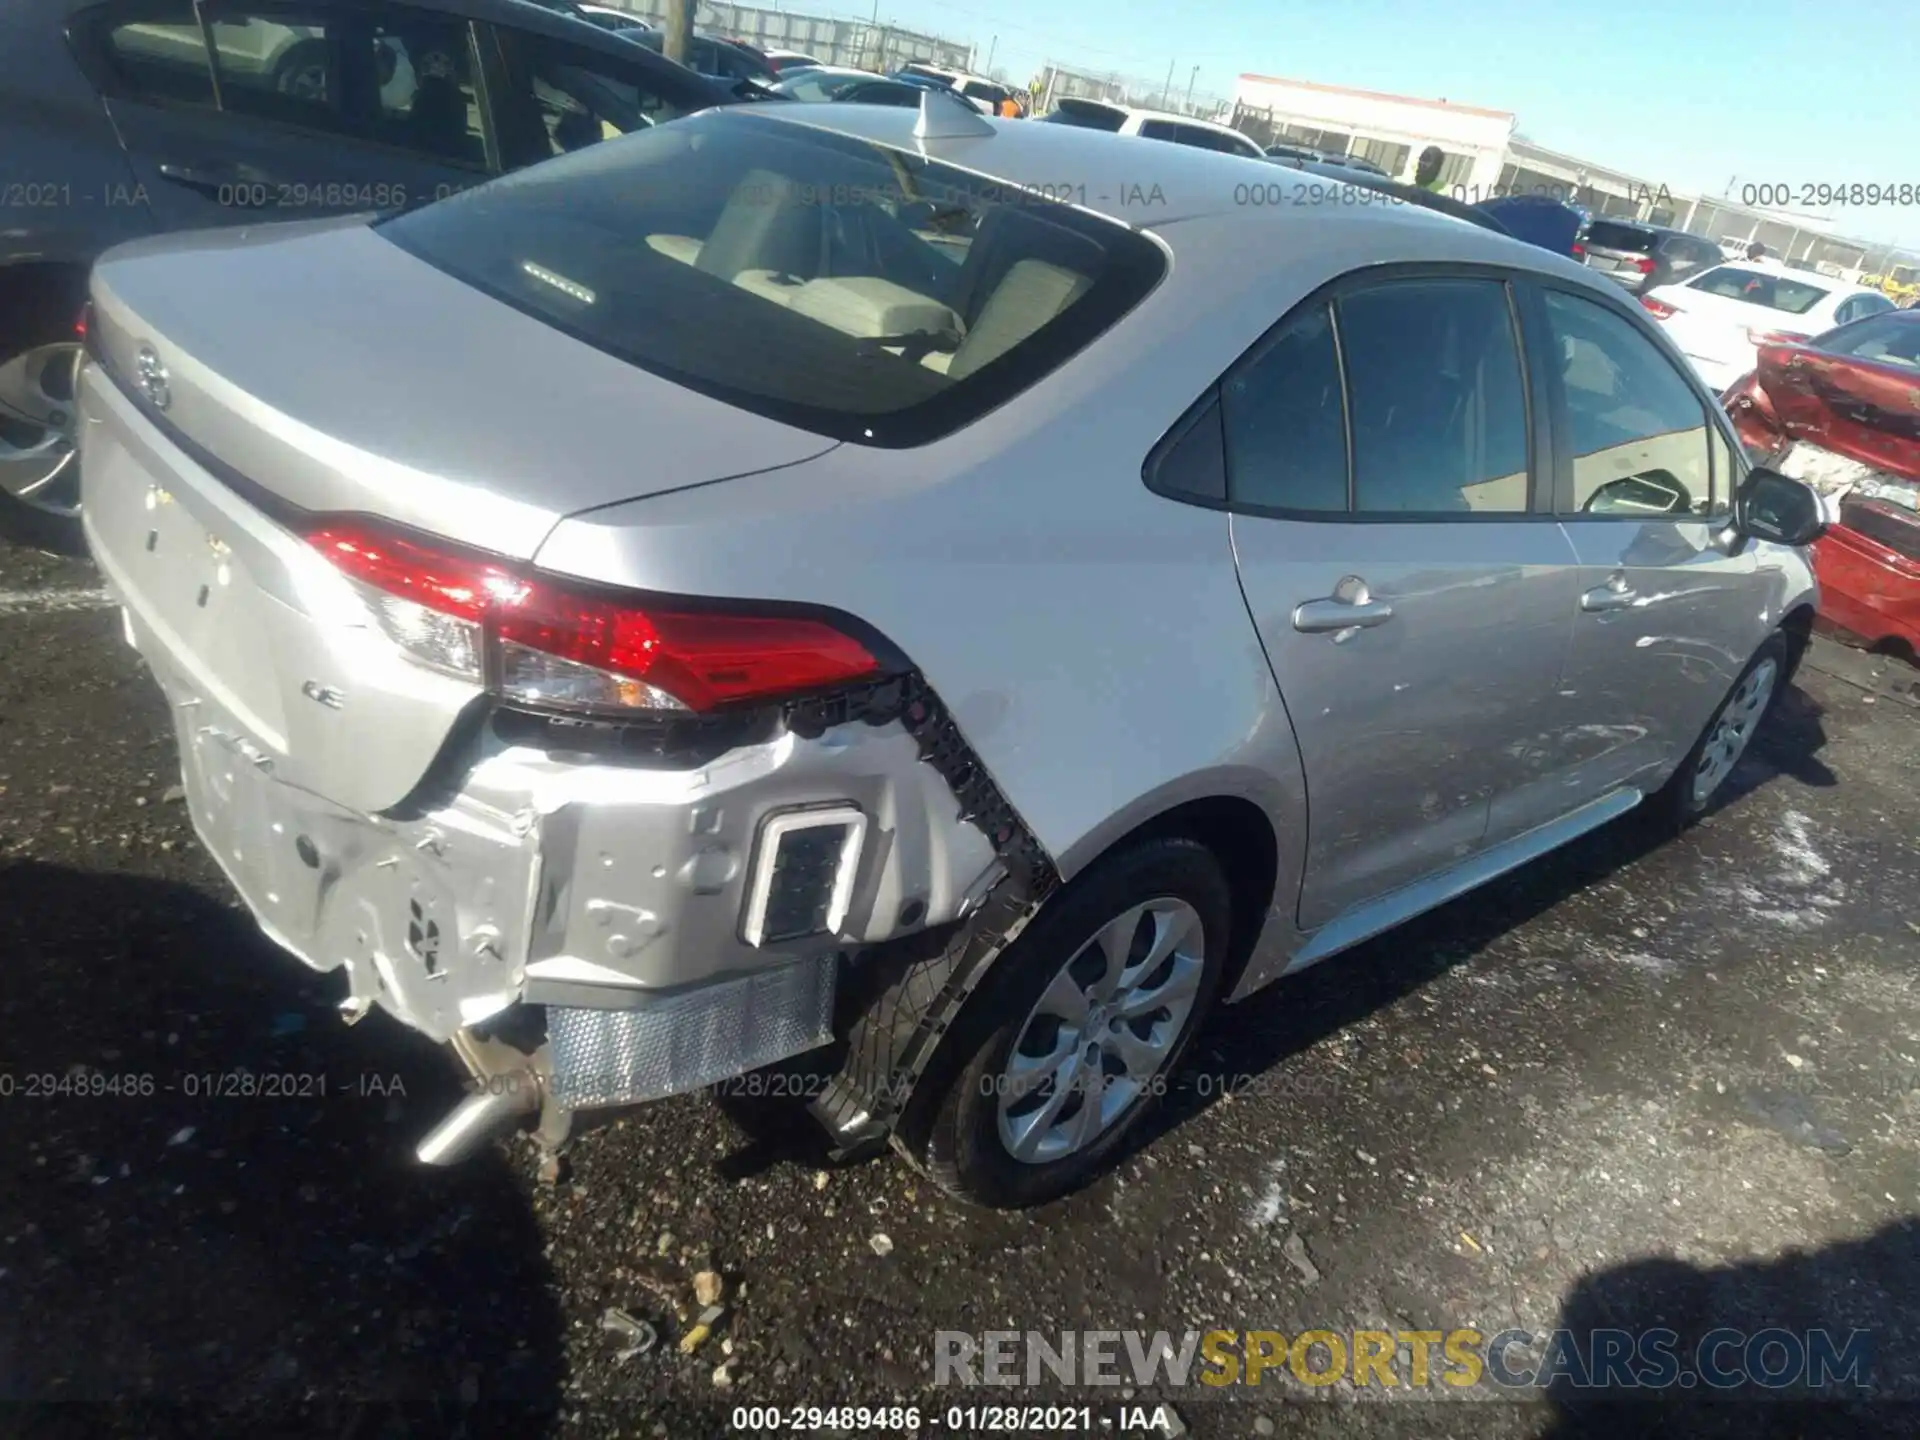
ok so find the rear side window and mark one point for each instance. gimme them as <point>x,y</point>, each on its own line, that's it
<point>1285,418</point>
<point>1757,287</point>
<point>1639,433</point>
<point>1439,408</point>
<point>1204,139</point>
<point>1159,130</point>
<point>891,299</point>
<point>161,58</point>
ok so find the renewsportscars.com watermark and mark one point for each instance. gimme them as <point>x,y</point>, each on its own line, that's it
<point>1823,1361</point>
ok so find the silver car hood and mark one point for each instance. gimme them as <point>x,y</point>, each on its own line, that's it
<point>338,372</point>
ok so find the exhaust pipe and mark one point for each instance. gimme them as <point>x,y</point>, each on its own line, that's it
<point>478,1118</point>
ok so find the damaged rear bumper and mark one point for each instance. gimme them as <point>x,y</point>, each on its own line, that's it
<point>666,928</point>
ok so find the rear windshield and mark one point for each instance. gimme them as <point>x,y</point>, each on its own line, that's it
<point>860,292</point>
<point>1087,115</point>
<point>1757,287</point>
<point>1612,235</point>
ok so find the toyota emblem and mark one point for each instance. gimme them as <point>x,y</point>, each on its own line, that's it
<point>153,378</point>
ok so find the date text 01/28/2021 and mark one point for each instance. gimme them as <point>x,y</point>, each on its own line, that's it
<point>1120,1419</point>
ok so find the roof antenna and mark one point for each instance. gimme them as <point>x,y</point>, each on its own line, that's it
<point>945,116</point>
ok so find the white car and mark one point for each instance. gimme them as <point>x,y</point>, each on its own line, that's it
<point>1154,125</point>
<point>1721,317</point>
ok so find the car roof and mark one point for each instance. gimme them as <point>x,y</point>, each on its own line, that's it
<point>1119,174</point>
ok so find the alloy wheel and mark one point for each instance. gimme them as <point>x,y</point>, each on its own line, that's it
<point>1733,731</point>
<point>1102,1031</point>
<point>39,423</point>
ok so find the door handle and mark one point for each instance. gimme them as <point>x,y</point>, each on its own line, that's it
<point>1616,594</point>
<point>1350,607</point>
<point>207,181</point>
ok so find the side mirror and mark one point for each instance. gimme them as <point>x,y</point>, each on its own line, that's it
<point>1772,506</point>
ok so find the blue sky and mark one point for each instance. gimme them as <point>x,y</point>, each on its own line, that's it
<point>1690,93</point>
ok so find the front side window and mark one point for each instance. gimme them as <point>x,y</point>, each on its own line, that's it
<point>1758,287</point>
<point>1639,434</point>
<point>1438,403</point>
<point>1159,130</point>
<point>891,299</point>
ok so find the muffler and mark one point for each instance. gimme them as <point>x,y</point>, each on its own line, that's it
<point>501,1100</point>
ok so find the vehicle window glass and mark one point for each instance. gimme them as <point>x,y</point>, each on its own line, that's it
<point>1757,287</point>
<point>1888,338</point>
<point>1438,404</point>
<point>1637,438</point>
<point>667,248</point>
<point>1612,235</point>
<point>426,97</point>
<point>1873,305</point>
<point>1286,428</point>
<point>280,70</point>
<point>1205,139</point>
<point>1087,115</point>
<point>1160,130</point>
<point>560,99</point>
<point>162,58</point>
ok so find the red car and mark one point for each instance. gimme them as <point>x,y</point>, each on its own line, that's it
<point>1842,412</point>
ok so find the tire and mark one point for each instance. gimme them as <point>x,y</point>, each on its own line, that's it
<point>39,361</point>
<point>969,1142</point>
<point>1703,774</point>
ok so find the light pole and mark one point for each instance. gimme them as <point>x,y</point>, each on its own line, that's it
<point>1166,90</point>
<point>1188,105</point>
<point>992,45</point>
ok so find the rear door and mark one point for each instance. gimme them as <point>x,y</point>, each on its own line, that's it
<point>1665,619</point>
<point>257,109</point>
<point>1414,596</point>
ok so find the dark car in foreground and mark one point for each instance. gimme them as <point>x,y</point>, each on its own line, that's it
<point>126,118</point>
<point>1644,257</point>
<point>1540,220</point>
<point>1842,411</point>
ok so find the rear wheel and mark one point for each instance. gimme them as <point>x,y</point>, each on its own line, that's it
<point>40,356</point>
<point>1074,1037</point>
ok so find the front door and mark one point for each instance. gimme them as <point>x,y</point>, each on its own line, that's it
<point>1667,618</point>
<point>256,110</point>
<point>1414,598</point>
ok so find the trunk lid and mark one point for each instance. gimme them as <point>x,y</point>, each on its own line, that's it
<point>337,372</point>
<point>1864,410</point>
<point>316,367</point>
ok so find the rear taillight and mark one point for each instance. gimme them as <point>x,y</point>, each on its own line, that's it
<point>80,326</point>
<point>1644,264</point>
<point>1659,309</point>
<point>1578,252</point>
<point>1775,337</point>
<point>543,641</point>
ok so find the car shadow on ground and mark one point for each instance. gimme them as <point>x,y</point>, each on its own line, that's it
<point>1854,1301</point>
<point>225,1245</point>
<point>1244,1041</point>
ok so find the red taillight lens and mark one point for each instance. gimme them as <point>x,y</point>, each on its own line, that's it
<point>1659,309</point>
<point>551,643</point>
<point>1578,251</point>
<point>80,325</point>
<point>1775,337</point>
<point>1644,264</point>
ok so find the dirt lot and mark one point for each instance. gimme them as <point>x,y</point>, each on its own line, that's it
<point>1626,1087</point>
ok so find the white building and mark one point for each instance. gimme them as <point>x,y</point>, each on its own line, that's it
<point>1389,130</point>
<point>1484,157</point>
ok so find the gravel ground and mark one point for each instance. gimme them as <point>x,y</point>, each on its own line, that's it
<point>1628,1086</point>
